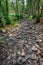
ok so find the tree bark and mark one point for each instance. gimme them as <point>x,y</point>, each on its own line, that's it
<point>38,18</point>
<point>7,12</point>
<point>16,6</point>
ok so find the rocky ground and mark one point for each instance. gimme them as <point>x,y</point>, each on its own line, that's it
<point>22,45</point>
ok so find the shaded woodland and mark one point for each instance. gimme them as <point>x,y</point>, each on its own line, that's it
<point>13,10</point>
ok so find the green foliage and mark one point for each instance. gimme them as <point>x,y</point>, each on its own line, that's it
<point>2,20</point>
<point>19,16</point>
<point>2,23</point>
<point>11,11</point>
<point>1,37</point>
<point>30,17</point>
<point>12,17</point>
<point>15,23</point>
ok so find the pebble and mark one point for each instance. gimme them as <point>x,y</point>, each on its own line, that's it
<point>3,30</point>
<point>34,57</point>
<point>22,52</point>
<point>39,41</point>
<point>34,48</point>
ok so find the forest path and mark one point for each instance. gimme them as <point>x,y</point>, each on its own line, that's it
<point>22,45</point>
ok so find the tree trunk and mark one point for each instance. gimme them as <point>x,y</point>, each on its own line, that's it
<point>38,18</point>
<point>16,6</point>
<point>33,8</point>
<point>41,11</point>
<point>7,13</point>
<point>38,8</point>
<point>23,5</point>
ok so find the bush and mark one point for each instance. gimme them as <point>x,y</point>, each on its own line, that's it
<point>2,22</point>
<point>30,17</point>
<point>34,15</point>
<point>13,17</point>
<point>15,23</point>
<point>19,16</point>
<point>2,19</point>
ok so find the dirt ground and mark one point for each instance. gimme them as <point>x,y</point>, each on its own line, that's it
<point>22,45</point>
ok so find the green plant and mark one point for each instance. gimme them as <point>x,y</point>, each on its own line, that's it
<point>30,17</point>
<point>15,23</point>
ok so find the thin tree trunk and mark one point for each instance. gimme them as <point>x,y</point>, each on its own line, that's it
<point>38,8</point>
<point>38,18</point>
<point>41,10</point>
<point>23,5</point>
<point>33,8</point>
<point>16,6</point>
<point>7,12</point>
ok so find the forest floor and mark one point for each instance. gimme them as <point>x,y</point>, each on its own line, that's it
<point>22,45</point>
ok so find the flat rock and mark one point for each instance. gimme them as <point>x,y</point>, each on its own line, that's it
<point>38,41</point>
<point>4,30</point>
<point>34,57</point>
